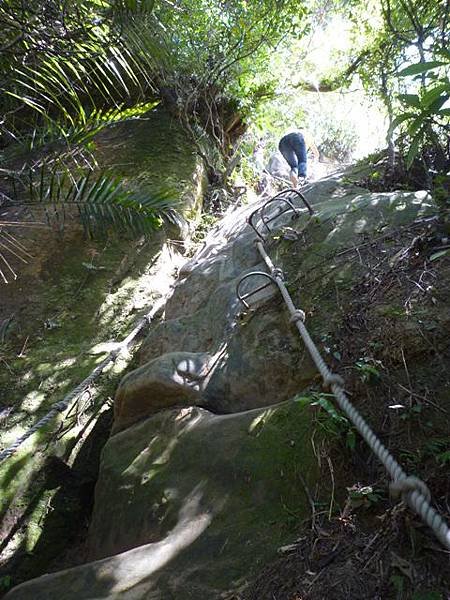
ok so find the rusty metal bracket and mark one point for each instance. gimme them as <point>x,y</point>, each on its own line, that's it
<point>281,197</point>
<point>243,297</point>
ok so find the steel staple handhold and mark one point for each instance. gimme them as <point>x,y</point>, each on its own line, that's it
<point>408,484</point>
<point>298,315</point>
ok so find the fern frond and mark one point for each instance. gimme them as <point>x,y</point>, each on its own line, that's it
<point>102,202</point>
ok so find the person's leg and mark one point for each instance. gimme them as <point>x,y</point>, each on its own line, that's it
<point>301,154</point>
<point>293,177</point>
<point>290,156</point>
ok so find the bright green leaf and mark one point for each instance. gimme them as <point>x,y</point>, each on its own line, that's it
<point>431,95</point>
<point>422,67</point>
<point>410,99</point>
<point>399,120</point>
<point>439,254</point>
<point>413,149</point>
<point>415,126</point>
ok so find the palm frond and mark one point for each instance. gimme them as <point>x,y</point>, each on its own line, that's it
<point>101,201</point>
<point>11,251</point>
<point>67,92</point>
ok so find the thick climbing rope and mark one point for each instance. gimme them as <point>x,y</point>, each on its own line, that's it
<point>413,490</point>
<point>69,399</point>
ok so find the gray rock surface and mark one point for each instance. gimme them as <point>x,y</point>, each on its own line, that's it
<point>255,357</point>
<point>175,378</point>
<point>205,498</point>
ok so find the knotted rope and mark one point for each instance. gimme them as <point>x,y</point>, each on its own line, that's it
<point>413,490</point>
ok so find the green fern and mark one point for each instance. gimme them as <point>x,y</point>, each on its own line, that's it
<point>109,66</point>
<point>67,93</point>
<point>101,201</point>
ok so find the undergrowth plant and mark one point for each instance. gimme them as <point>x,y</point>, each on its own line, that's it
<point>425,115</point>
<point>330,421</point>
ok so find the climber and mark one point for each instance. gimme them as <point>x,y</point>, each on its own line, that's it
<point>294,146</point>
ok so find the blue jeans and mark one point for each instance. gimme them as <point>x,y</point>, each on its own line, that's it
<point>292,146</point>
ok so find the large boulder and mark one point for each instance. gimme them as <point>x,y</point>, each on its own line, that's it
<point>206,498</point>
<point>155,155</point>
<point>174,378</point>
<point>255,357</point>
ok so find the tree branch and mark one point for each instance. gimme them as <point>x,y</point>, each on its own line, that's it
<point>336,83</point>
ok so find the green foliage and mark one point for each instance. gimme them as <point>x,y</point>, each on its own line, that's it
<point>5,582</point>
<point>439,449</point>
<point>76,68</point>
<point>398,582</point>
<point>414,413</point>
<point>338,138</point>
<point>100,201</point>
<point>331,422</point>
<point>369,373</point>
<point>405,62</point>
<point>84,84</point>
<point>364,496</point>
<point>425,112</point>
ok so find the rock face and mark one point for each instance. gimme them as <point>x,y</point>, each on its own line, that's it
<point>210,350</point>
<point>205,497</point>
<point>174,378</point>
<point>233,359</point>
<point>155,155</point>
<point>152,154</point>
<point>205,466</point>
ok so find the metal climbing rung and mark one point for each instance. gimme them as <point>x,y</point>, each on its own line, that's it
<point>243,297</point>
<point>285,197</point>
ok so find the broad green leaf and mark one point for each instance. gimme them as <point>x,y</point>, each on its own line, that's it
<point>415,125</point>
<point>431,95</point>
<point>410,99</point>
<point>434,107</point>
<point>399,120</point>
<point>413,149</point>
<point>421,68</point>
